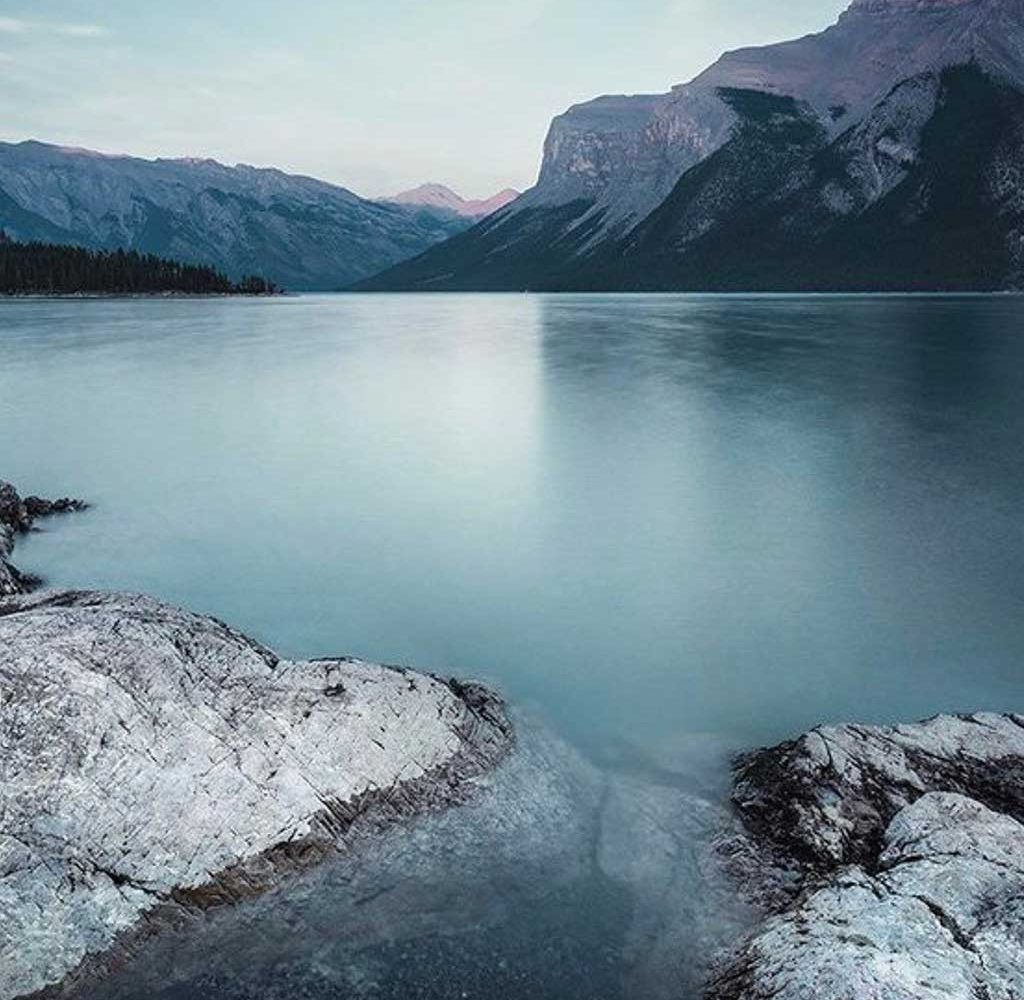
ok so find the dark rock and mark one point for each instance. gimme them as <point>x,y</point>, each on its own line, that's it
<point>17,516</point>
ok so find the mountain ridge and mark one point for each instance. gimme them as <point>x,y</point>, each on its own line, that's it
<point>301,232</point>
<point>613,163</point>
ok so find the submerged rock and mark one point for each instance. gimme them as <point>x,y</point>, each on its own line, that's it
<point>17,516</point>
<point>559,880</point>
<point>904,848</point>
<point>156,762</point>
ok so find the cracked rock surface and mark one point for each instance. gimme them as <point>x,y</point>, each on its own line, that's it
<point>904,848</point>
<point>153,760</point>
<point>827,798</point>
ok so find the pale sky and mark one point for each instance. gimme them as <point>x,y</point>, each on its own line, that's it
<point>377,95</point>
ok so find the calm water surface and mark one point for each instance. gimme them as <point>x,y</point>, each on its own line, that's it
<point>641,516</point>
<point>645,519</point>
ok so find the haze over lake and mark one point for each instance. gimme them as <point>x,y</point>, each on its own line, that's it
<point>642,518</point>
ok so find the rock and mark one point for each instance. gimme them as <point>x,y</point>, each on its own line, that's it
<point>893,859</point>
<point>430,902</point>
<point>154,762</point>
<point>826,799</point>
<point>559,879</point>
<point>941,918</point>
<point>17,516</point>
<point>626,153</point>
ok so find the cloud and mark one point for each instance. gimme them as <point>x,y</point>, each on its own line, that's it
<point>17,26</point>
<point>82,30</point>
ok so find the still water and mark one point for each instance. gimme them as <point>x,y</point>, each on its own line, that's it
<point>640,516</point>
<point>658,524</point>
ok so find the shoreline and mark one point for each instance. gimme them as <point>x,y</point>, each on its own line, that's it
<point>871,853</point>
<point>235,768</point>
<point>34,296</point>
<point>18,517</point>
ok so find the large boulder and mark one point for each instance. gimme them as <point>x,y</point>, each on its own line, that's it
<point>827,798</point>
<point>153,760</point>
<point>941,918</point>
<point>893,858</point>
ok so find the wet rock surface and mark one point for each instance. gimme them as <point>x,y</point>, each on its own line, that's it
<point>156,763</point>
<point>17,517</point>
<point>894,859</point>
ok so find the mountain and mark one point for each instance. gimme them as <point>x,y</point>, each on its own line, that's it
<point>446,200</point>
<point>865,156</point>
<point>298,232</point>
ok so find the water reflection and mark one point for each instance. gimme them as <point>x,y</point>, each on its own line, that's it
<point>669,526</point>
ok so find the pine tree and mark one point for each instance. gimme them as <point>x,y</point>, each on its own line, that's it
<point>41,268</point>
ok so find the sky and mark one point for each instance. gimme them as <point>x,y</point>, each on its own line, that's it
<point>376,95</point>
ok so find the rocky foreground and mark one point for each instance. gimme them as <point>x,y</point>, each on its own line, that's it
<point>894,859</point>
<point>156,765</point>
<point>156,761</point>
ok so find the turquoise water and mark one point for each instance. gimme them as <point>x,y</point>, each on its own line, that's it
<point>643,518</point>
<point>665,527</point>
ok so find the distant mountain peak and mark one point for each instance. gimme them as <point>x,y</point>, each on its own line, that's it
<point>440,196</point>
<point>297,231</point>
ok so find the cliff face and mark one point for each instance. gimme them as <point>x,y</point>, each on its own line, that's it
<point>627,153</point>
<point>298,232</point>
<point>623,193</point>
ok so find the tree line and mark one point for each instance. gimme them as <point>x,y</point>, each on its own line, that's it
<point>47,269</point>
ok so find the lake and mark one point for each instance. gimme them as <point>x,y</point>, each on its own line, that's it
<point>659,524</point>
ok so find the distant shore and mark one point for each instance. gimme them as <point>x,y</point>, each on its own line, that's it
<point>144,295</point>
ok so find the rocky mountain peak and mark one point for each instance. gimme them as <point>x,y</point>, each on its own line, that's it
<point>625,153</point>
<point>440,196</point>
<point>907,6</point>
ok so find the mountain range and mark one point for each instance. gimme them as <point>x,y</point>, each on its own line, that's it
<point>883,153</point>
<point>886,152</point>
<point>300,233</point>
<point>444,199</point>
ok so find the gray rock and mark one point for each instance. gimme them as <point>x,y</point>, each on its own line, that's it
<point>154,761</point>
<point>627,152</point>
<point>558,878</point>
<point>941,918</point>
<point>827,798</point>
<point>893,858</point>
